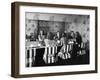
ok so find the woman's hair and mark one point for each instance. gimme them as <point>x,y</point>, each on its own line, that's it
<point>63,35</point>
<point>40,32</point>
<point>77,33</point>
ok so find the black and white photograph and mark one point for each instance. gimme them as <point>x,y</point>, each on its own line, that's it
<point>56,39</point>
<point>52,39</point>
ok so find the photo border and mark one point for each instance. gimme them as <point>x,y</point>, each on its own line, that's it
<point>15,33</point>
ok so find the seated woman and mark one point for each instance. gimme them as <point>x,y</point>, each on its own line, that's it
<point>63,54</point>
<point>71,36</point>
<point>47,39</point>
<point>71,41</point>
<point>32,37</point>
<point>41,38</point>
<point>78,41</point>
<point>57,38</point>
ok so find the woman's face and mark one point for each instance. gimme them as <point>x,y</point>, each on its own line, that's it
<point>41,32</point>
<point>65,31</point>
<point>72,34</point>
<point>58,33</point>
<point>76,34</point>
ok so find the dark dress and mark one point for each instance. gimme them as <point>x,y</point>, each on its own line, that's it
<point>79,39</point>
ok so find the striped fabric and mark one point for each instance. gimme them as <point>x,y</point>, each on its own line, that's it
<point>49,54</point>
<point>48,57</point>
<point>65,51</point>
<point>30,56</point>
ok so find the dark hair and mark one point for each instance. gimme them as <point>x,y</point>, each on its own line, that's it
<point>78,34</point>
<point>63,35</point>
<point>42,31</point>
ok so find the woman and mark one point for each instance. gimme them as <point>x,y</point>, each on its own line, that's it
<point>47,39</point>
<point>78,39</point>
<point>63,39</point>
<point>63,51</point>
<point>57,38</point>
<point>41,37</point>
<point>76,45</point>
